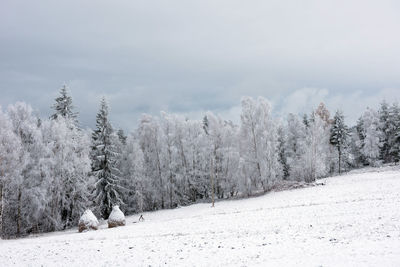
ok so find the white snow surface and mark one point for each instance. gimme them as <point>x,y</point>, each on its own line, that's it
<point>116,215</point>
<point>89,219</point>
<point>353,220</point>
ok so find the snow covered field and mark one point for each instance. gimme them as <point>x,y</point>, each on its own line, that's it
<point>353,220</point>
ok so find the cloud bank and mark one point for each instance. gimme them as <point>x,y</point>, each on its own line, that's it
<point>192,56</point>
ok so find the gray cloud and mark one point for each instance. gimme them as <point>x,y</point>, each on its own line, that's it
<point>193,56</point>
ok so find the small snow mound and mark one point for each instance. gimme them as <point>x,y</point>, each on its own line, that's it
<point>116,218</point>
<point>88,221</point>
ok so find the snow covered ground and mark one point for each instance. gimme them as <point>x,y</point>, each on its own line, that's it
<point>353,220</point>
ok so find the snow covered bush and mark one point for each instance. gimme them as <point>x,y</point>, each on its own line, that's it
<point>117,218</point>
<point>88,221</point>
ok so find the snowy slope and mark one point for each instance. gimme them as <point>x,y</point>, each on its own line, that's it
<point>354,220</point>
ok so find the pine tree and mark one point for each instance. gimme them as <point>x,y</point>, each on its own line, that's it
<point>384,118</point>
<point>122,137</point>
<point>394,133</point>
<point>339,136</point>
<point>282,153</point>
<point>63,106</point>
<point>105,163</point>
<point>306,121</point>
<point>205,124</point>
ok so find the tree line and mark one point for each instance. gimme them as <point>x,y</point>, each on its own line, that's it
<point>51,170</point>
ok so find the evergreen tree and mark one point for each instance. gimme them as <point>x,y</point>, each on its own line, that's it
<point>63,106</point>
<point>105,164</point>
<point>122,137</point>
<point>339,136</point>
<point>282,152</point>
<point>394,133</point>
<point>205,124</point>
<point>170,160</point>
<point>306,122</point>
<point>385,132</point>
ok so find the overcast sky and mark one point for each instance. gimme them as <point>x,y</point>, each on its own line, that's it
<point>193,56</point>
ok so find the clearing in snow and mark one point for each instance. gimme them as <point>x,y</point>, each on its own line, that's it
<point>353,220</point>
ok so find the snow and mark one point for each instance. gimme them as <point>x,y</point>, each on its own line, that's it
<point>116,215</point>
<point>353,220</point>
<point>88,219</point>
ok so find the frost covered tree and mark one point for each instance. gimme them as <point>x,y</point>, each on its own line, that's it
<point>30,192</point>
<point>50,172</point>
<point>69,164</point>
<point>215,129</point>
<point>389,132</point>
<point>132,170</point>
<point>149,135</point>
<point>282,152</point>
<point>307,145</point>
<point>231,158</point>
<point>196,184</point>
<point>105,163</point>
<point>323,113</point>
<point>394,133</point>
<point>339,137</point>
<point>306,120</point>
<point>172,170</point>
<point>63,106</point>
<point>371,137</point>
<point>121,136</point>
<point>259,143</point>
<point>222,139</point>
<point>315,159</point>
<point>358,138</point>
<point>384,129</point>
<point>295,146</point>
<point>10,173</point>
